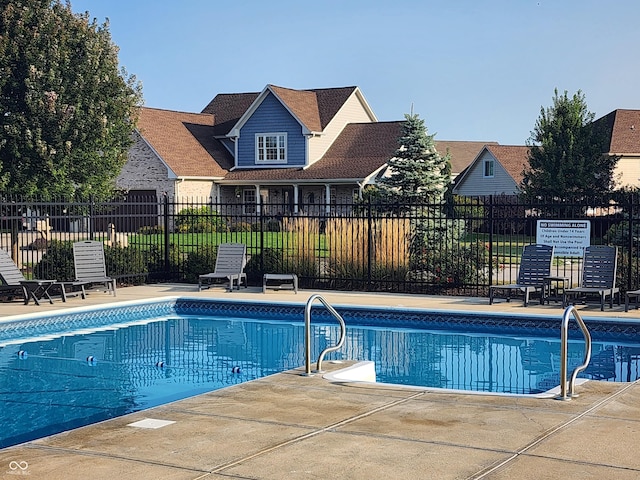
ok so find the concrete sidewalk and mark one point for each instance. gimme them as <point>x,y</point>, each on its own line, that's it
<point>296,427</point>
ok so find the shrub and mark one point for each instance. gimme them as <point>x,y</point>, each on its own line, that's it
<point>199,262</point>
<point>240,227</point>
<point>269,260</point>
<point>126,262</point>
<point>199,220</point>
<point>57,262</point>
<point>151,230</point>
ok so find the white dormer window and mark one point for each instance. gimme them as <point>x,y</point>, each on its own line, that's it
<point>488,168</point>
<point>271,148</point>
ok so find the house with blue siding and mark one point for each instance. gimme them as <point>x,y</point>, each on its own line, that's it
<point>291,150</point>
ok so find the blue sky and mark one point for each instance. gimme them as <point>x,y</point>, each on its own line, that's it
<point>473,70</point>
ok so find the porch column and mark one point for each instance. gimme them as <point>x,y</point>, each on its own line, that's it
<point>327,197</point>
<point>258,199</point>
<point>295,199</point>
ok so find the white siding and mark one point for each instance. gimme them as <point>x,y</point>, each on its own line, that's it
<point>475,183</point>
<point>353,111</point>
<point>627,172</point>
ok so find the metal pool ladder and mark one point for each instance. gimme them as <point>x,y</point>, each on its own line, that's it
<point>564,340</point>
<point>307,333</point>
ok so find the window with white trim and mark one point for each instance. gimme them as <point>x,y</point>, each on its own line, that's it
<point>271,147</point>
<point>249,200</point>
<point>488,168</point>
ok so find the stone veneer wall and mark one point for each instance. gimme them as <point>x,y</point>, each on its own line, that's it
<point>145,171</point>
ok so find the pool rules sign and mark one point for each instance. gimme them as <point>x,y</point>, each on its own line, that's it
<point>569,237</point>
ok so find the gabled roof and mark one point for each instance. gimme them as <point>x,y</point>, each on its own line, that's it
<point>623,130</point>
<point>513,158</point>
<point>313,108</point>
<point>360,150</point>
<point>227,108</point>
<point>462,153</point>
<point>185,142</point>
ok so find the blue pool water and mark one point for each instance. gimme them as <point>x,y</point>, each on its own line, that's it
<point>58,373</point>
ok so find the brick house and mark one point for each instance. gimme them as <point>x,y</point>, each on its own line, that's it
<point>302,150</point>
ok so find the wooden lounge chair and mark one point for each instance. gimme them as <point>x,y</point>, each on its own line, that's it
<point>535,267</point>
<point>599,266</point>
<point>230,262</point>
<point>15,284</point>
<point>90,268</point>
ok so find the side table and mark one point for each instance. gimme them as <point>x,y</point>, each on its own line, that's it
<point>553,289</point>
<point>285,280</point>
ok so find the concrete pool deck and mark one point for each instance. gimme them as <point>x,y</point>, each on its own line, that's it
<point>291,426</point>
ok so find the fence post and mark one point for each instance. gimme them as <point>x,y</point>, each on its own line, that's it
<point>167,273</point>
<point>262,225</point>
<point>631,199</point>
<point>369,244</point>
<point>92,214</point>
<point>490,240</point>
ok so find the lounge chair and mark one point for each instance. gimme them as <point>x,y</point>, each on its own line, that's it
<point>632,294</point>
<point>14,282</point>
<point>535,267</point>
<point>90,268</point>
<point>230,262</point>
<point>599,266</point>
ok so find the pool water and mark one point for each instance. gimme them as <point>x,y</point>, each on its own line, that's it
<point>61,381</point>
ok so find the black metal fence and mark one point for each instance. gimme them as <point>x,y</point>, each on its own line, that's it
<point>458,248</point>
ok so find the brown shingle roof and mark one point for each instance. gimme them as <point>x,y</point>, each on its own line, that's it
<point>462,153</point>
<point>303,104</point>
<point>623,128</point>
<point>513,158</point>
<point>314,108</point>
<point>360,150</point>
<point>227,108</point>
<point>185,142</point>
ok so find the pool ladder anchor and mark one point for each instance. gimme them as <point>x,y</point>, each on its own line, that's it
<point>307,334</point>
<point>564,346</point>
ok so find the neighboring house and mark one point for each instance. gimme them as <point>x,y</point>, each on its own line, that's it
<point>623,141</point>
<point>293,150</point>
<point>496,170</point>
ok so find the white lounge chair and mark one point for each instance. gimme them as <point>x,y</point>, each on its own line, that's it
<point>230,262</point>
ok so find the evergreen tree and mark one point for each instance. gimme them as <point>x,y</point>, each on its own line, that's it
<point>418,171</point>
<point>567,157</point>
<point>67,112</point>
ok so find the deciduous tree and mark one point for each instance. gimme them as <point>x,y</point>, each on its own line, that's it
<point>67,111</point>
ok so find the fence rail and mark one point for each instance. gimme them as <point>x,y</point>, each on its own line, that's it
<point>458,248</point>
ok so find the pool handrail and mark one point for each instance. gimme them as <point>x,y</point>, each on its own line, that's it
<point>307,333</point>
<point>564,341</point>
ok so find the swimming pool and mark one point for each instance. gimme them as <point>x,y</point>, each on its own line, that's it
<point>60,372</point>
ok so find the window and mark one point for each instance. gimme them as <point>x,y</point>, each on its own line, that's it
<point>488,168</point>
<point>249,200</point>
<point>271,148</point>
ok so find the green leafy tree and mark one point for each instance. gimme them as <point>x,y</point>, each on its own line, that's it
<point>67,112</point>
<point>567,155</point>
<point>417,171</point>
